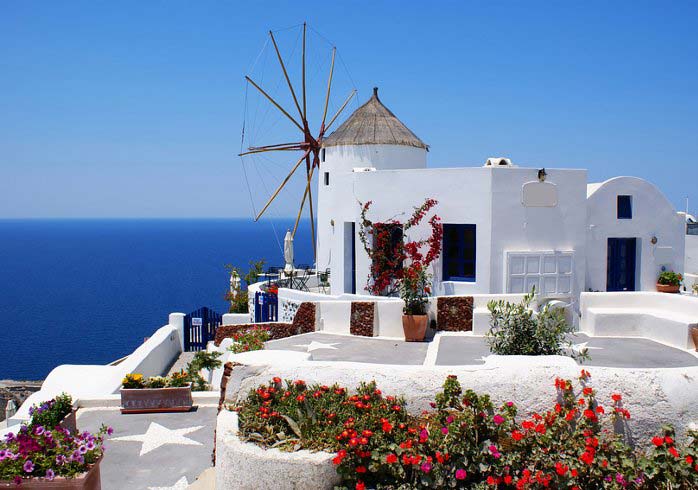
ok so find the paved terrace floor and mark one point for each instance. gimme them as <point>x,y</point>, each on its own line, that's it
<point>165,451</point>
<point>468,350</point>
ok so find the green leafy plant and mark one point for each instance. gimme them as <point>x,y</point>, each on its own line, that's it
<point>670,278</point>
<point>239,300</point>
<point>156,382</point>
<point>250,339</point>
<point>515,330</point>
<point>133,381</point>
<point>49,414</point>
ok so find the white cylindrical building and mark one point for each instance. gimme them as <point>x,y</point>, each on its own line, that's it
<point>372,138</point>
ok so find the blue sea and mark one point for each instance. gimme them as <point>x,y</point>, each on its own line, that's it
<point>89,291</point>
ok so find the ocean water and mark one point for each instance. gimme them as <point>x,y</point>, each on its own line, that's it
<point>89,291</point>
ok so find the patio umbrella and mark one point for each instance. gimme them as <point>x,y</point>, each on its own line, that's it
<point>288,252</point>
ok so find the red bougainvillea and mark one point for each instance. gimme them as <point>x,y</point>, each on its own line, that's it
<point>399,265</point>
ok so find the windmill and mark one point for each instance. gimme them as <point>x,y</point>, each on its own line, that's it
<point>307,143</point>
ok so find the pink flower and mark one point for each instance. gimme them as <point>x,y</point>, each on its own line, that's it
<point>426,467</point>
<point>449,419</point>
<point>461,474</point>
<point>498,419</point>
<point>28,466</point>
<point>444,430</point>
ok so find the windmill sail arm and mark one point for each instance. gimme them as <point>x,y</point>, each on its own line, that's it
<point>281,186</point>
<point>276,104</point>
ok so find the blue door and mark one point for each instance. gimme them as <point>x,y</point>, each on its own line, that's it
<point>621,264</point>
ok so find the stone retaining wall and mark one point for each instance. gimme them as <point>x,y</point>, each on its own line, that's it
<point>303,322</point>
<point>454,313</point>
<point>363,314</point>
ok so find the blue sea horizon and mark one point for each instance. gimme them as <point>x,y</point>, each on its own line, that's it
<point>88,291</point>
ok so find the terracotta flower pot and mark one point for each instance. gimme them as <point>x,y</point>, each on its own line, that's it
<point>87,481</point>
<point>415,327</point>
<point>668,288</point>
<point>156,400</point>
<point>694,336</point>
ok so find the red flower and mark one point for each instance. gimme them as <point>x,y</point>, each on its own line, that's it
<point>361,469</point>
<point>360,485</point>
<point>386,427</point>
<point>658,441</point>
<point>689,460</point>
<point>516,435</point>
<point>668,440</point>
<point>391,458</point>
<point>616,397</point>
<point>673,452</point>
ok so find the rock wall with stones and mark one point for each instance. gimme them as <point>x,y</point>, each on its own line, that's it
<point>17,391</point>
<point>454,313</point>
<point>304,321</point>
<point>362,318</point>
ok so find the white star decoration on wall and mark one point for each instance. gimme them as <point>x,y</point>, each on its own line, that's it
<point>181,484</point>
<point>157,436</point>
<point>317,346</point>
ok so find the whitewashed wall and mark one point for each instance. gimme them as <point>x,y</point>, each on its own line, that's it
<point>691,255</point>
<point>653,215</point>
<point>334,198</point>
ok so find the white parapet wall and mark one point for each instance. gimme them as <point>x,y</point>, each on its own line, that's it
<point>245,466</point>
<point>236,318</point>
<point>653,396</point>
<point>152,358</point>
<point>665,318</point>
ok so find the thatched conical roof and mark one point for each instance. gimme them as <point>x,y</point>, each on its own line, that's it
<point>373,124</point>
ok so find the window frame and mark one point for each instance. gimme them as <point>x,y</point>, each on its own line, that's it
<point>624,211</point>
<point>463,247</point>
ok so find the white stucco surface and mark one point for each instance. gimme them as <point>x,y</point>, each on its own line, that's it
<point>245,466</point>
<point>652,216</point>
<point>691,257</point>
<point>151,358</point>
<point>662,317</point>
<point>236,318</point>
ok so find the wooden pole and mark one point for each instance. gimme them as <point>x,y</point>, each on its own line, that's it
<point>351,95</point>
<point>304,103</point>
<point>288,80</point>
<point>264,150</point>
<point>305,195</point>
<point>278,189</point>
<point>312,218</point>
<point>269,97</point>
<point>329,86</point>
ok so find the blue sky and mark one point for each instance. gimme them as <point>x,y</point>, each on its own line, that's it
<point>131,108</point>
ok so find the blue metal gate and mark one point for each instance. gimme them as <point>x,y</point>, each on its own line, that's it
<point>266,307</point>
<point>200,328</point>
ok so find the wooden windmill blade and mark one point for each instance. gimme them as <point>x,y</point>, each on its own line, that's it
<point>309,144</point>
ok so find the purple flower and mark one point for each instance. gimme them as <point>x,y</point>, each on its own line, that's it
<point>60,460</point>
<point>110,431</point>
<point>426,467</point>
<point>424,434</point>
<point>9,437</point>
<point>39,430</point>
<point>28,466</point>
<point>3,454</point>
<point>444,430</point>
<point>50,475</point>
<point>82,449</point>
<point>90,445</point>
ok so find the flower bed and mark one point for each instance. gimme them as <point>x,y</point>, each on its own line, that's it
<point>466,441</point>
<point>38,457</point>
<point>249,339</point>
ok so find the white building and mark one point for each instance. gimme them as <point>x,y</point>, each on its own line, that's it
<point>505,230</point>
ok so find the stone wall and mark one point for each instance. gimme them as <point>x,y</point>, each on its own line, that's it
<point>17,391</point>
<point>363,314</point>
<point>454,313</point>
<point>304,321</point>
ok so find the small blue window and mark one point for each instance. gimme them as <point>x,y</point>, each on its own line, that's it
<point>625,207</point>
<point>459,253</point>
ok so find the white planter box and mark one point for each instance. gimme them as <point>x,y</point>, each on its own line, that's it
<point>244,466</point>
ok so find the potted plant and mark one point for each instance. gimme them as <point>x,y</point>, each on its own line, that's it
<point>156,394</point>
<point>37,457</point>
<point>402,266</point>
<point>669,282</point>
<point>58,412</point>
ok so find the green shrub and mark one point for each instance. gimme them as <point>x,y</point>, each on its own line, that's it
<point>514,330</point>
<point>249,339</point>
<point>50,413</point>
